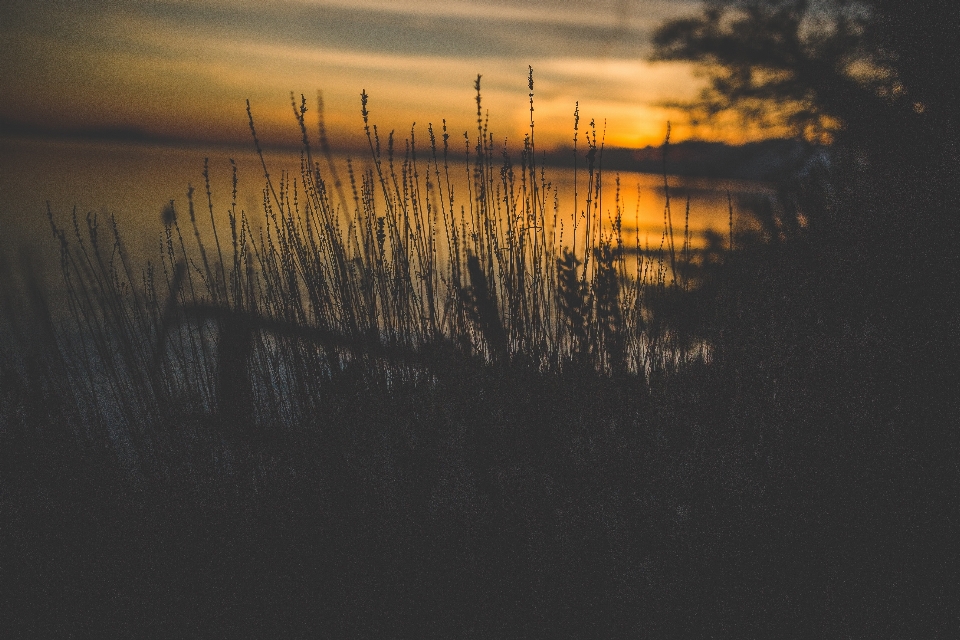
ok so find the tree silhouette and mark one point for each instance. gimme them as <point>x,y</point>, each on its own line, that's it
<point>876,78</point>
<point>820,67</point>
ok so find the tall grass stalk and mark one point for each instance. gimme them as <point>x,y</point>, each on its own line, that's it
<point>445,397</point>
<point>396,285</point>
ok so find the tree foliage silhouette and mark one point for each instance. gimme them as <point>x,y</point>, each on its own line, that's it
<point>823,66</point>
<point>877,78</point>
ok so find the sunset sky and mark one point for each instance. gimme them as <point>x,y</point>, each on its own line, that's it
<point>183,69</point>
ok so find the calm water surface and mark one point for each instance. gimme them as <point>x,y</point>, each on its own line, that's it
<point>134,182</point>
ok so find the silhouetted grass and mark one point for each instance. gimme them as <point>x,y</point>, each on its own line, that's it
<point>404,411</point>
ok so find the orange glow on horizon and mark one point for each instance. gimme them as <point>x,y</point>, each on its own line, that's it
<point>184,72</point>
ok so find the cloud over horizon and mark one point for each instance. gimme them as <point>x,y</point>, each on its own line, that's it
<point>183,69</point>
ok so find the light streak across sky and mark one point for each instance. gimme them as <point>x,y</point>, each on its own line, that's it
<point>183,69</point>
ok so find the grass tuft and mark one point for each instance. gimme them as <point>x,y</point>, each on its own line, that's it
<point>386,408</point>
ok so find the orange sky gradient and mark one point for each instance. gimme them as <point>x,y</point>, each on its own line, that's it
<point>184,69</point>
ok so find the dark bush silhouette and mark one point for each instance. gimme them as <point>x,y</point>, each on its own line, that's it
<point>872,75</point>
<point>846,295</point>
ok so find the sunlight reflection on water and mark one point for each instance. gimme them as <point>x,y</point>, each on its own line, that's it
<point>135,183</point>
